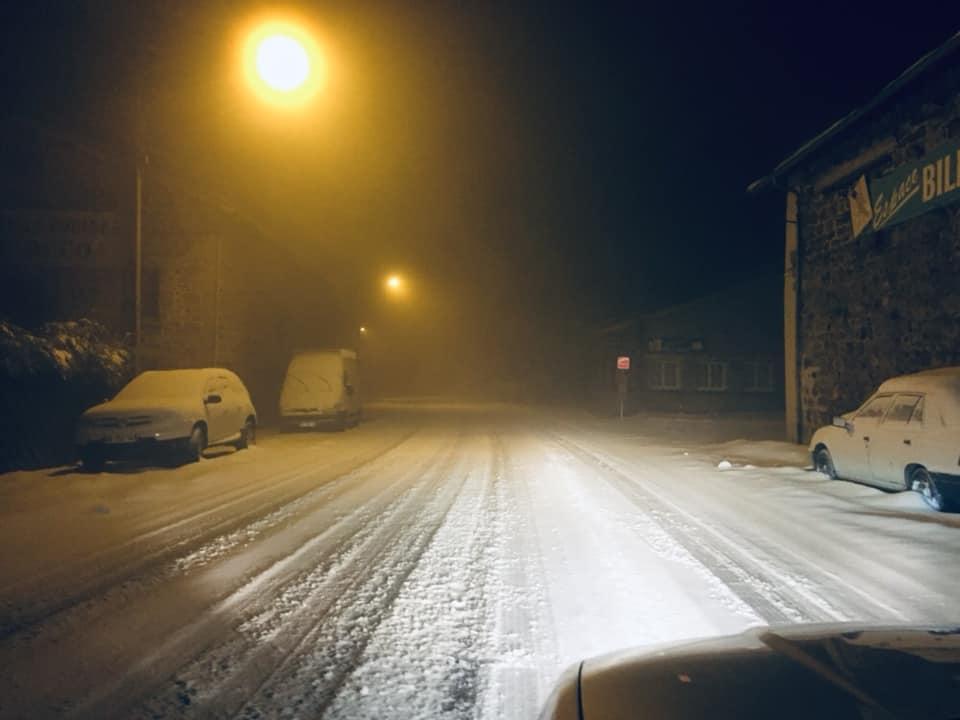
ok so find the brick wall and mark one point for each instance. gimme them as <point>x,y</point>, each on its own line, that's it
<point>885,303</point>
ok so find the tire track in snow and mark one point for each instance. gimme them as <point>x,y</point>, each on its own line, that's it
<point>428,656</point>
<point>522,640</point>
<point>229,644</point>
<point>115,674</point>
<point>145,552</point>
<point>769,553</point>
<point>776,595</point>
<point>316,664</point>
<point>276,615</point>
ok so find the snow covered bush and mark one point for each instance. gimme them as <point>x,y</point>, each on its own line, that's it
<point>48,377</point>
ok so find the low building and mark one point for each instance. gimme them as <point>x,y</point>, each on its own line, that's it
<point>872,256</point>
<point>719,353</point>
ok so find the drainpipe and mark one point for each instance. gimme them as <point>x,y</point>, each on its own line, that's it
<point>791,285</point>
<point>138,269</point>
<point>218,291</point>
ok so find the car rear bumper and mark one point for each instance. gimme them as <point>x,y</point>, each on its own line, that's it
<point>130,450</point>
<point>307,421</point>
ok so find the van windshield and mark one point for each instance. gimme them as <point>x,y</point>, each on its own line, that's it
<point>320,372</point>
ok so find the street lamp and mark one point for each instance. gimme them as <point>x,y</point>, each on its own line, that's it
<point>282,63</point>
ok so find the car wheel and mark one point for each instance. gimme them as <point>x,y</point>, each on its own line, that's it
<point>823,462</point>
<point>196,444</point>
<point>92,461</point>
<point>922,481</point>
<point>248,435</point>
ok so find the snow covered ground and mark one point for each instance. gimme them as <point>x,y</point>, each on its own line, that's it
<point>443,560</point>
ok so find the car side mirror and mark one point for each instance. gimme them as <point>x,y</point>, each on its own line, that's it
<point>843,423</point>
<point>212,399</point>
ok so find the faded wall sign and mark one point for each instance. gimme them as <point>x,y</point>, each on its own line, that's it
<point>50,237</point>
<point>908,191</point>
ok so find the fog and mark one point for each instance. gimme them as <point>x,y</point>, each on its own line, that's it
<point>536,173</point>
<point>421,154</point>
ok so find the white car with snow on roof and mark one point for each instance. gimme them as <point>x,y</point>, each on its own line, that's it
<point>906,436</point>
<point>791,671</point>
<point>178,411</point>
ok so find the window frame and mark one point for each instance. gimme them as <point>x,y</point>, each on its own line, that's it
<point>754,370</point>
<point>660,365</point>
<point>913,410</point>
<point>878,418</point>
<point>710,366</point>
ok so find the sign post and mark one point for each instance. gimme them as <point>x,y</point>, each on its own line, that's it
<point>623,370</point>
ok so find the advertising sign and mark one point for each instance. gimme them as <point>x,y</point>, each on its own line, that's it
<point>908,191</point>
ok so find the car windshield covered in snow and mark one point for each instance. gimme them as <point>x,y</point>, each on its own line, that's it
<point>166,384</point>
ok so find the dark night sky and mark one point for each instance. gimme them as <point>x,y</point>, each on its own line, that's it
<point>539,160</point>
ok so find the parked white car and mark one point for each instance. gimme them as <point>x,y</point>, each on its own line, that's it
<point>179,412</point>
<point>906,436</point>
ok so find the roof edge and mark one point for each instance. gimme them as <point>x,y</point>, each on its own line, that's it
<point>889,90</point>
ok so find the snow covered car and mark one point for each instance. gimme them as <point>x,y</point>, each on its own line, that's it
<point>322,387</point>
<point>179,412</point>
<point>812,671</point>
<point>906,436</point>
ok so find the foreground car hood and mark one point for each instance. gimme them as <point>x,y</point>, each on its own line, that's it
<point>831,671</point>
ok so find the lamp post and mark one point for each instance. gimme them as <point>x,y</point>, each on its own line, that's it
<point>283,65</point>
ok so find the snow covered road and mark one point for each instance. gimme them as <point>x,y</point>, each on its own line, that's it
<point>442,560</point>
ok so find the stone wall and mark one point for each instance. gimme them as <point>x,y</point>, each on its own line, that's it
<point>885,303</point>
<point>226,295</point>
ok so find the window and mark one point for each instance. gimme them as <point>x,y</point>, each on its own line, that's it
<point>903,409</point>
<point>759,377</point>
<point>665,375</point>
<point>712,376</point>
<point>918,413</point>
<point>875,407</point>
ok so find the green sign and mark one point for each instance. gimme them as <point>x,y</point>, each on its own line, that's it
<point>908,191</point>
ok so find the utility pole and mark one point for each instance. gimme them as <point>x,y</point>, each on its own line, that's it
<point>216,302</point>
<point>138,265</point>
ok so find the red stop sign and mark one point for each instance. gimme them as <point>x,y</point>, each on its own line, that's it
<point>623,362</point>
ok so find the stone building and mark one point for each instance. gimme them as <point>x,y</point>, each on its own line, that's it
<point>215,289</point>
<point>719,353</point>
<point>872,257</point>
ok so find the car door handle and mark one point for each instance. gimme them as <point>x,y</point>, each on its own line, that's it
<point>907,442</point>
<point>866,438</point>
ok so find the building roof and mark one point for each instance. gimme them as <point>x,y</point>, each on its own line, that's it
<point>905,78</point>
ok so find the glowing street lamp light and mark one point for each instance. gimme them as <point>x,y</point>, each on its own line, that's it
<point>282,63</point>
<point>363,330</point>
<point>396,286</point>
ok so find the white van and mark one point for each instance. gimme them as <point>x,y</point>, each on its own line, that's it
<point>322,387</point>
